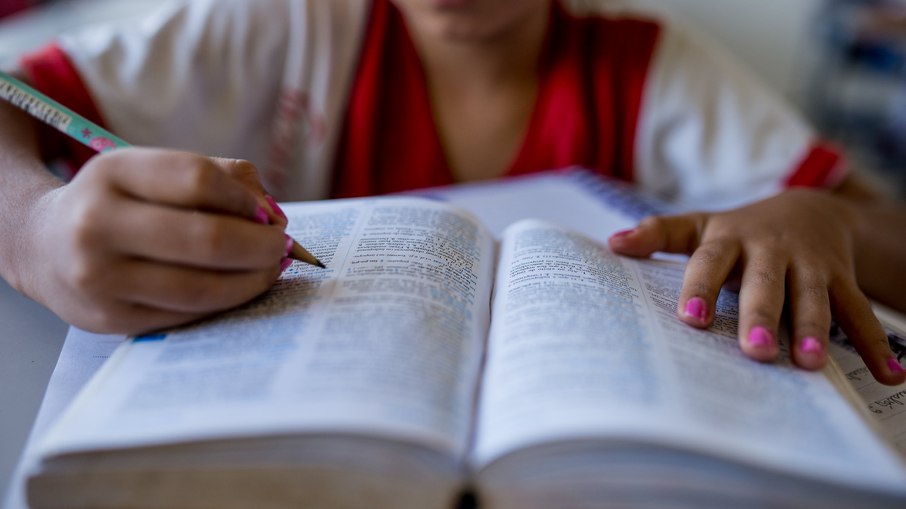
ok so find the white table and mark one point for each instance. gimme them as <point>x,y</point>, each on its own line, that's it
<point>30,341</point>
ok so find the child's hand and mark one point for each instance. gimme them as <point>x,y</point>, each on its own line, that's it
<point>795,251</point>
<point>144,239</point>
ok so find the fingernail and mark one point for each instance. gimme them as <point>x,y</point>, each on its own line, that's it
<point>760,337</point>
<point>289,244</point>
<point>284,264</point>
<point>261,216</point>
<point>696,308</point>
<point>894,365</point>
<point>273,205</point>
<point>811,345</point>
<point>622,234</point>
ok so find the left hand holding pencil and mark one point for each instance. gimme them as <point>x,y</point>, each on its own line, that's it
<point>141,239</point>
<point>144,239</point>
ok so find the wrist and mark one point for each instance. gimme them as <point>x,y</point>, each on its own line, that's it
<point>851,214</point>
<point>25,230</point>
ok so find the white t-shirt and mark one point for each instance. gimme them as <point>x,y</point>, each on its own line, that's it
<point>268,81</point>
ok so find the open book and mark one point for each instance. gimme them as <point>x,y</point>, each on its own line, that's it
<point>432,360</point>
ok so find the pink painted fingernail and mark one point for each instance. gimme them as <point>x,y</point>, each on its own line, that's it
<point>273,205</point>
<point>696,308</point>
<point>811,345</point>
<point>622,234</point>
<point>760,337</point>
<point>289,244</point>
<point>894,365</point>
<point>284,264</point>
<point>261,216</point>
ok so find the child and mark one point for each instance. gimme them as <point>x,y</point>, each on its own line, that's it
<point>354,97</point>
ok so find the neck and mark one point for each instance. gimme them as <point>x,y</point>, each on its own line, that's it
<point>462,64</point>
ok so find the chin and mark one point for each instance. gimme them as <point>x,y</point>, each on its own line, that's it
<point>451,4</point>
<point>463,31</point>
<point>468,20</point>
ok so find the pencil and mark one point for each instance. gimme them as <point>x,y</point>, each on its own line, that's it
<point>86,132</point>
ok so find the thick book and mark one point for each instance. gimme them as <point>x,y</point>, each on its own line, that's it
<point>434,362</point>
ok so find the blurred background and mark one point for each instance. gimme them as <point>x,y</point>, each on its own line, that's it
<point>856,91</point>
<point>842,63</point>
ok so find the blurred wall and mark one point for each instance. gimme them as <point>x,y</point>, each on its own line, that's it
<point>770,36</point>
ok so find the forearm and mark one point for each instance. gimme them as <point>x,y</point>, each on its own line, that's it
<point>24,181</point>
<point>881,252</point>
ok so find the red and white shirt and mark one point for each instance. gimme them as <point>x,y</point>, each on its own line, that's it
<point>329,99</point>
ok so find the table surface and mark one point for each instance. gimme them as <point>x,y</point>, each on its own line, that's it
<point>30,342</point>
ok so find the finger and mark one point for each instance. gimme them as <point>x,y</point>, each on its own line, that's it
<point>188,291</point>
<point>180,179</point>
<point>810,315</point>
<point>197,239</point>
<point>278,217</point>
<point>707,270</point>
<point>246,173</point>
<point>853,313</point>
<point>761,297</point>
<point>241,170</point>
<point>129,318</point>
<point>669,234</point>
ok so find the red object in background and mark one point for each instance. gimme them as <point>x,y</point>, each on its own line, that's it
<point>8,7</point>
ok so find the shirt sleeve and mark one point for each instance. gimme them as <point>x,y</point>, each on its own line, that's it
<point>199,75</point>
<point>712,136</point>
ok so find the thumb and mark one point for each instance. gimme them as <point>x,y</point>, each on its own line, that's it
<point>242,170</point>
<point>247,174</point>
<point>667,234</point>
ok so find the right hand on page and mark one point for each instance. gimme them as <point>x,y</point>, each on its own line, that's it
<point>143,239</point>
<point>792,252</point>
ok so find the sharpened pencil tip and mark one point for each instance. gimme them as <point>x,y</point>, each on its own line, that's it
<point>298,252</point>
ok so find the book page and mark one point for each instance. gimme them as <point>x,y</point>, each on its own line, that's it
<point>884,403</point>
<point>579,200</point>
<point>586,345</point>
<point>387,341</point>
